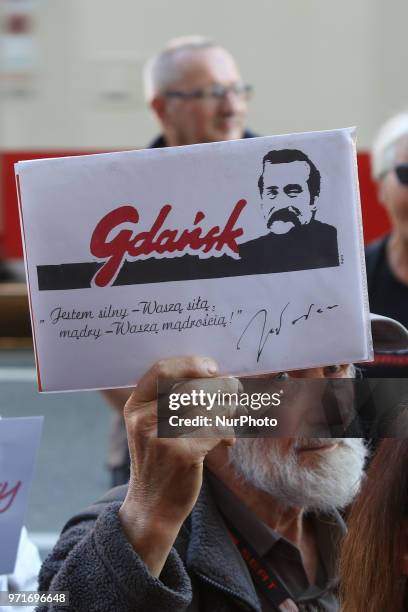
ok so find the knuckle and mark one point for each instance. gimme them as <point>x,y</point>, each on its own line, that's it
<point>141,420</point>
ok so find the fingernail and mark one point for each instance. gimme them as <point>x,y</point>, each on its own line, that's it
<point>212,367</point>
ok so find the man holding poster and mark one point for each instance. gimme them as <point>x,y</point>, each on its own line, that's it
<point>136,283</point>
<point>216,523</point>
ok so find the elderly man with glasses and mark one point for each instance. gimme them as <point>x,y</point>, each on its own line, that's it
<point>387,259</point>
<point>195,91</point>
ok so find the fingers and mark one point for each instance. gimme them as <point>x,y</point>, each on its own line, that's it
<point>180,367</point>
<point>117,397</point>
<point>207,387</point>
<point>192,407</point>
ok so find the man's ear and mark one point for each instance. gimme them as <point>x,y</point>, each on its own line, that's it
<point>159,108</point>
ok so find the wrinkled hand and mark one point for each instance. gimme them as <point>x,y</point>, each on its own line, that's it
<point>166,474</point>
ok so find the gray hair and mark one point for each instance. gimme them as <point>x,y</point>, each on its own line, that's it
<point>385,144</point>
<point>160,71</point>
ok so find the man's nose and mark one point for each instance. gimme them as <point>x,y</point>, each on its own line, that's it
<point>281,200</point>
<point>232,102</point>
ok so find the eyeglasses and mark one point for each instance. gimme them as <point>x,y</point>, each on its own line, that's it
<point>402,173</point>
<point>345,370</point>
<point>213,92</point>
<point>334,371</point>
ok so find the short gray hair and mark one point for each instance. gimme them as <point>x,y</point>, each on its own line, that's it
<point>160,71</point>
<point>385,144</point>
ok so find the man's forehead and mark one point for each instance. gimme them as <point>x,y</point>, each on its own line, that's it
<point>287,172</point>
<point>200,67</point>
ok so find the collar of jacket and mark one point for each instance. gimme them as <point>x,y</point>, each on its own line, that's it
<point>160,142</point>
<point>213,556</point>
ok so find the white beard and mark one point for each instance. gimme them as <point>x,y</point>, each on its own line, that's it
<point>332,480</point>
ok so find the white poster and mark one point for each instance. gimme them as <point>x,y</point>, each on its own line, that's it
<point>19,442</point>
<point>247,251</point>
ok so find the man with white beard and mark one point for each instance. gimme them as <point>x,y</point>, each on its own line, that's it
<point>211,524</point>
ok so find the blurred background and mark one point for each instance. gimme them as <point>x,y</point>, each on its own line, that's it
<point>71,83</point>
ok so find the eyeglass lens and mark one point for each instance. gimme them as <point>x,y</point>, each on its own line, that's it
<point>402,173</point>
<point>214,92</point>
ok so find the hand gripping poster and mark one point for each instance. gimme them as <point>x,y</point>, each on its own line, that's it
<point>247,251</point>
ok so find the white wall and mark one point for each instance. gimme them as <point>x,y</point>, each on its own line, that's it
<point>315,64</point>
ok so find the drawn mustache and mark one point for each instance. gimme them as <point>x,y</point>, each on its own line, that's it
<point>285,214</point>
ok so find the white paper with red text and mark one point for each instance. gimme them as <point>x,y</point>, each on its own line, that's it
<point>112,210</point>
<point>19,443</point>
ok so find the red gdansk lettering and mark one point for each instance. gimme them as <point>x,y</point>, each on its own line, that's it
<point>126,242</point>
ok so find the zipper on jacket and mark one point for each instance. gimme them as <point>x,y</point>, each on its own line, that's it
<point>226,590</point>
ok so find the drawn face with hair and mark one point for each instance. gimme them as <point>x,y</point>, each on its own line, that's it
<point>286,199</point>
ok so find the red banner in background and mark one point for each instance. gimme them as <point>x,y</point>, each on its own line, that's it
<point>374,217</point>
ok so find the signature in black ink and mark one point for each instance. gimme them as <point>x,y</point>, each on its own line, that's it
<point>262,316</point>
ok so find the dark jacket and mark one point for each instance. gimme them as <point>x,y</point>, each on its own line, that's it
<point>94,561</point>
<point>160,142</point>
<point>373,254</point>
<point>204,571</point>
